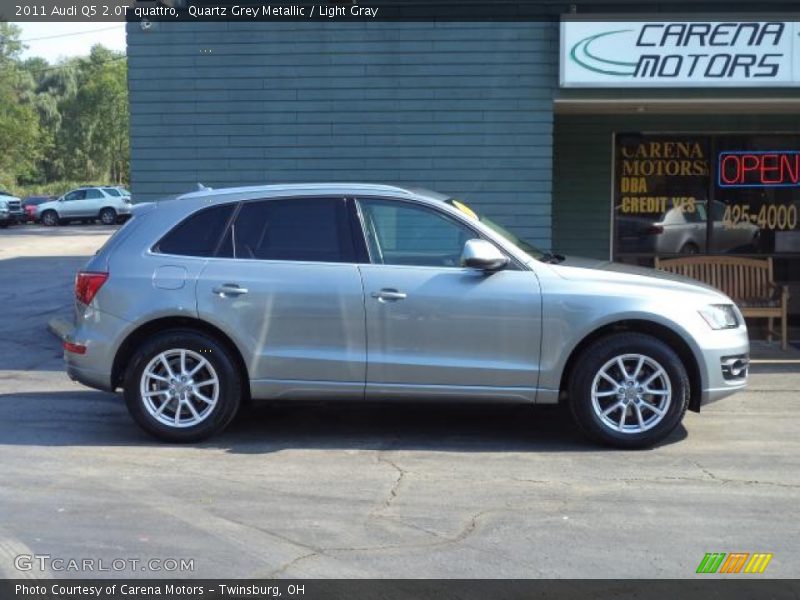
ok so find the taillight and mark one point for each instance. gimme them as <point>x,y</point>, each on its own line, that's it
<point>654,230</point>
<point>87,284</point>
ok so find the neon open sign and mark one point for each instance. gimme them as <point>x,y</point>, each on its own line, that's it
<point>763,168</point>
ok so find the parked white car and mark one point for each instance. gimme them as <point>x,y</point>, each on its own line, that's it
<point>86,204</point>
<point>10,210</point>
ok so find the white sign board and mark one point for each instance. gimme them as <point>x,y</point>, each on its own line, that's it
<point>615,54</point>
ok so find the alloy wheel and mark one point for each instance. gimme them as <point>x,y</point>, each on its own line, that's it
<point>179,388</point>
<point>631,393</point>
<point>107,217</point>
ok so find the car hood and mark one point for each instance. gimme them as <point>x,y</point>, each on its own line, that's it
<point>608,272</point>
<point>46,205</point>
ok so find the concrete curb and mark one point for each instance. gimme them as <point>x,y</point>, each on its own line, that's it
<point>59,327</point>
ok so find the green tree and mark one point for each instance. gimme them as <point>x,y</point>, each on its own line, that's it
<point>19,123</point>
<point>94,131</point>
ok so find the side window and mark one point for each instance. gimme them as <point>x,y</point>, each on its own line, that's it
<point>199,234</point>
<point>94,195</point>
<point>76,195</point>
<point>301,229</point>
<point>399,233</point>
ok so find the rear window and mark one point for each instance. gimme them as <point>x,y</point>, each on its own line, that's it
<point>199,234</point>
<point>298,229</point>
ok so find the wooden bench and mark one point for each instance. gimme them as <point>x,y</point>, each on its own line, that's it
<point>748,281</point>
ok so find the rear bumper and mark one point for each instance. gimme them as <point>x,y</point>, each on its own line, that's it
<point>100,333</point>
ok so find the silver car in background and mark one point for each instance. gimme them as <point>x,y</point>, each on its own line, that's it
<point>108,204</point>
<point>353,292</point>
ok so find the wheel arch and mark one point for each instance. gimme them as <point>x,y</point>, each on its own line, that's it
<point>142,332</point>
<point>669,336</point>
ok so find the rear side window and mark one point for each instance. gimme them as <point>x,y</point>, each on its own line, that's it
<point>112,192</point>
<point>94,195</point>
<point>301,229</point>
<point>199,234</point>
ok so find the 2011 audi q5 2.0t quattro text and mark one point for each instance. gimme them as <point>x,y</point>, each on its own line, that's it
<point>369,292</point>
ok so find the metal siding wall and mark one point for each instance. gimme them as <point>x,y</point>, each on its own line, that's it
<point>582,168</point>
<point>462,108</point>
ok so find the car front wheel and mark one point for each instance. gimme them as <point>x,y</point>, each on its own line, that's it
<point>628,390</point>
<point>50,218</point>
<point>182,386</point>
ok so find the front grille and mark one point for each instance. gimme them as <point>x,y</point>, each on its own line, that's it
<point>14,205</point>
<point>735,367</point>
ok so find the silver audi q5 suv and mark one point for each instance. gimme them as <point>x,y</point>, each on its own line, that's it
<point>367,292</point>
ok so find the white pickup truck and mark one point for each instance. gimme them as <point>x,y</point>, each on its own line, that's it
<point>11,210</point>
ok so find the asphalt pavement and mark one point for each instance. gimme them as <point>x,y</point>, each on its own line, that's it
<point>405,491</point>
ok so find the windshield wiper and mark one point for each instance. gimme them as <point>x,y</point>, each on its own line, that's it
<point>551,258</point>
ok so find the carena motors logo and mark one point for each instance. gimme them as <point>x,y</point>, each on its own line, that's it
<point>687,51</point>
<point>734,563</point>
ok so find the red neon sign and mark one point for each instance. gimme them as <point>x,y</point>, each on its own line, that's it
<point>778,168</point>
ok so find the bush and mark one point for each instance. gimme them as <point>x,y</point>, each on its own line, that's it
<point>55,188</point>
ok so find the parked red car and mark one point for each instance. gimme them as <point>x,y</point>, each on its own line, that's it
<point>30,203</point>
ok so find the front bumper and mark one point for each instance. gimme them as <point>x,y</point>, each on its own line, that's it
<point>725,356</point>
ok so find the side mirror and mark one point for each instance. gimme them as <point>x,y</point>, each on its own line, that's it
<point>480,254</point>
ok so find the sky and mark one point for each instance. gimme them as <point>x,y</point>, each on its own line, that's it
<point>69,39</point>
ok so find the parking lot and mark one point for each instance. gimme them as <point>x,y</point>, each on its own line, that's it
<point>405,491</point>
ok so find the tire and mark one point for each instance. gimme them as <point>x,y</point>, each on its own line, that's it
<point>50,218</point>
<point>107,216</point>
<point>198,418</point>
<point>591,395</point>
<point>690,248</point>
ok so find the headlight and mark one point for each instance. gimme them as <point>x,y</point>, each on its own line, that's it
<point>720,316</point>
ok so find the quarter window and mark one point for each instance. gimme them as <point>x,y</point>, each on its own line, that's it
<point>299,229</point>
<point>199,234</point>
<point>399,233</point>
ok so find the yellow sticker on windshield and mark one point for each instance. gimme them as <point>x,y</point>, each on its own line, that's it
<point>465,209</point>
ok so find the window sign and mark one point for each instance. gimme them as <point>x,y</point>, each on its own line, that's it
<point>672,197</point>
<point>750,168</point>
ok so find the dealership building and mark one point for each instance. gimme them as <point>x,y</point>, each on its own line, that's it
<point>614,135</point>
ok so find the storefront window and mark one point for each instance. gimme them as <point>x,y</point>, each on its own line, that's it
<point>714,194</point>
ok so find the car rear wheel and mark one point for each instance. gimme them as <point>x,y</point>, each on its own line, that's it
<point>50,218</point>
<point>628,390</point>
<point>108,216</point>
<point>182,386</point>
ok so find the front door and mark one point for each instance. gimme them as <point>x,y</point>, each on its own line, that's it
<point>287,290</point>
<point>435,329</point>
<point>72,204</point>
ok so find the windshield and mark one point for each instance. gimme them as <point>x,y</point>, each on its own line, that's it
<point>527,248</point>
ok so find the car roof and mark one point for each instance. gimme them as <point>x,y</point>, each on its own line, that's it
<point>301,189</point>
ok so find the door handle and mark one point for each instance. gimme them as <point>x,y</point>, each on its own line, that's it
<point>229,290</point>
<point>389,295</point>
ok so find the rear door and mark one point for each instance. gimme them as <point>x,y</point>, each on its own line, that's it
<point>92,203</point>
<point>285,287</point>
